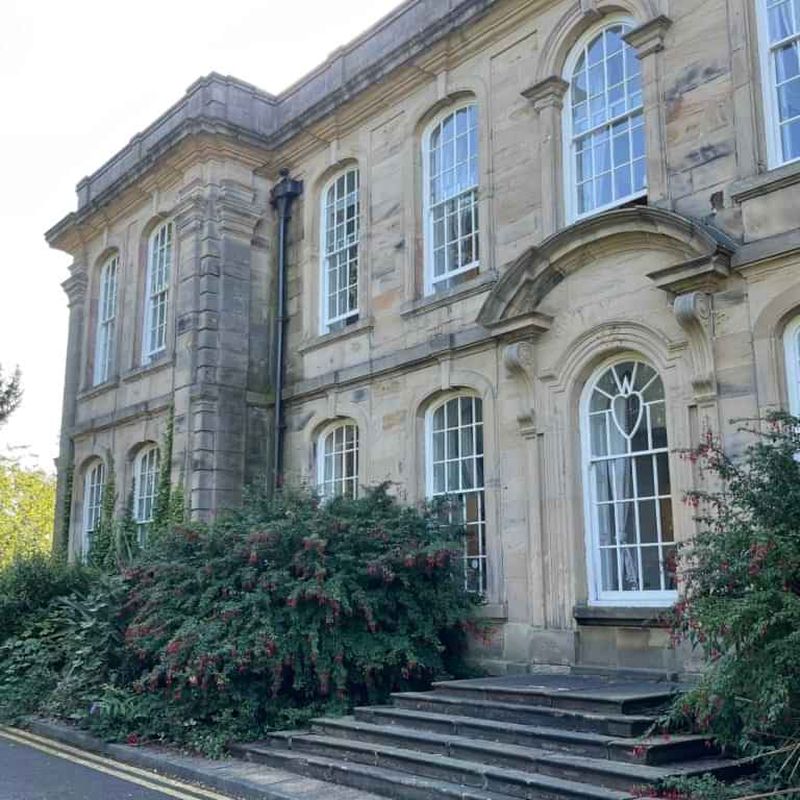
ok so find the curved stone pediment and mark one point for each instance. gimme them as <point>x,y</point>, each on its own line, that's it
<point>701,255</point>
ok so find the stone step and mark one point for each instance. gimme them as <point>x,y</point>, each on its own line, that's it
<point>649,750</point>
<point>413,776</point>
<point>419,753</point>
<point>569,692</point>
<point>618,725</point>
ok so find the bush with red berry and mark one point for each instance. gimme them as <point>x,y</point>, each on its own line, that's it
<point>740,601</point>
<point>285,609</point>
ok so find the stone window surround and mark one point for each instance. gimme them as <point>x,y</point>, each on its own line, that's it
<point>417,301</point>
<point>320,454</point>
<point>94,475</point>
<point>147,355</point>
<point>547,97</point>
<point>771,137</point>
<point>343,171</point>
<point>450,109</point>
<point>484,553</point>
<point>755,167</point>
<point>106,326</point>
<point>623,598</point>
<point>569,178</point>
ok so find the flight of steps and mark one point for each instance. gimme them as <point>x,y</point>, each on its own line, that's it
<point>533,736</point>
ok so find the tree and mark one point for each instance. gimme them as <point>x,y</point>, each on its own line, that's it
<point>10,394</point>
<point>27,506</point>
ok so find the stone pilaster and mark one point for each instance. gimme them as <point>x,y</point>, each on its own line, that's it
<point>547,97</point>
<point>75,287</point>
<point>215,226</point>
<point>648,41</point>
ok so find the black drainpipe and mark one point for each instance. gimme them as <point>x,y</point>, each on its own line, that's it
<point>281,197</point>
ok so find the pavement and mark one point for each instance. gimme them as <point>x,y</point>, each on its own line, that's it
<point>33,769</point>
<point>49,760</point>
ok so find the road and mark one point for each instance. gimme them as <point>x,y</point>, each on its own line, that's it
<point>37,770</point>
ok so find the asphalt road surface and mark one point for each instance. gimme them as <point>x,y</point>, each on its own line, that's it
<point>28,773</point>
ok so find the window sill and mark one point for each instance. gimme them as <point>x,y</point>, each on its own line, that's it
<point>766,182</point>
<point>482,283</point>
<point>497,612</point>
<point>324,339</point>
<point>628,616</point>
<point>100,389</point>
<point>157,364</point>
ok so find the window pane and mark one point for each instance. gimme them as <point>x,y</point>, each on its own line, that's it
<point>790,137</point>
<point>610,575</point>
<point>651,569</point>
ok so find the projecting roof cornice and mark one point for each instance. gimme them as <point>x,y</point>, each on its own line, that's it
<point>242,111</point>
<point>698,250</point>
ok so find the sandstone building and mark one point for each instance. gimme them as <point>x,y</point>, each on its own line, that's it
<point>535,247</point>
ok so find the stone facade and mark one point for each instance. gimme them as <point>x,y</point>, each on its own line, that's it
<point>699,281</point>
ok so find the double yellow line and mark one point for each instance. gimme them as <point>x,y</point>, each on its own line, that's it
<point>116,769</point>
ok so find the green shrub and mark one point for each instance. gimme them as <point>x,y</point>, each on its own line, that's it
<point>285,609</point>
<point>28,585</point>
<point>741,600</point>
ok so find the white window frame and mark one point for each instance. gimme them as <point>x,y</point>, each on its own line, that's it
<point>427,208</point>
<point>791,353</point>
<point>160,259</point>
<point>769,89</point>
<point>105,340</point>
<point>146,468</point>
<point>346,483</point>
<point>328,322</point>
<point>479,490</point>
<point>568,136</point>
<point>597,596</point>
<point>94,482</point>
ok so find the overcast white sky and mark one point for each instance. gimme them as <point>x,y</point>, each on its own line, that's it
<point>78,79</point>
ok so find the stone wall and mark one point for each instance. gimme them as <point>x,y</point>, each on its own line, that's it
<point>700,283</point>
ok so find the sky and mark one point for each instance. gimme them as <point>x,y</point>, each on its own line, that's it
<point>77,80</point>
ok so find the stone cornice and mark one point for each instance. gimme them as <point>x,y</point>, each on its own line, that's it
<point>225,105</point>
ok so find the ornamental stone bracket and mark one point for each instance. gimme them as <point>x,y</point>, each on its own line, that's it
<point>518,360</point>
<point>705,273</point>
<point>75,286</point>
<point>649,37</point>
<point>693,313</point>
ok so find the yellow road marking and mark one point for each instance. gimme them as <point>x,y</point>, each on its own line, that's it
<point>148,780</point>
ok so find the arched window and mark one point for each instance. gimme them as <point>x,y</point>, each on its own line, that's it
<point>631,543</point>
<point>454,467</point>
<point>340,236</point>
<point>106,321</point>
<point>791,349</point>
<point>337,460</point>
<point>93,484</point>
<point>604,143</point>
<point>145,485</point>
<point>450,201</point>
<point>159,268</point>
<point>779,29</point>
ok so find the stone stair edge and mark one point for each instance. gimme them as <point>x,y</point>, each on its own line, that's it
<point>568,788</point>
<point>637,772</point>
<point>444,698</point>
<point>577,737</point>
